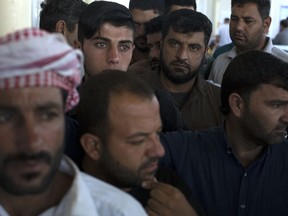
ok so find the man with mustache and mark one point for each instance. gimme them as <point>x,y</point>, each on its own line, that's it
<point>39,73</point>
<point>249,25</point>
<point>119,122</point>
<point>185,38</point>
<point>143,11</point>
<point>240,167</point>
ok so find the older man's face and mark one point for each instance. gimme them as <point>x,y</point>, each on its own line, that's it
<point>31,138</point>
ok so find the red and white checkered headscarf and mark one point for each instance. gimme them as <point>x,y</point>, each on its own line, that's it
<point>35,58</point>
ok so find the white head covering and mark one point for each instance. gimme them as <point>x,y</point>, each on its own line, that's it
<point>35,58</point>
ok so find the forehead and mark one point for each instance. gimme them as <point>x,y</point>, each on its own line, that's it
<point>192,37</point>
<point>143,16</point>
<point>247,9</point>
<point>154,37</point>
<point>115,33</point>
<point>31,97</point>
<point>129,112</point>
<point>270,92</point>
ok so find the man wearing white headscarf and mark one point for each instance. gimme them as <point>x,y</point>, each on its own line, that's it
<point>39,74</point>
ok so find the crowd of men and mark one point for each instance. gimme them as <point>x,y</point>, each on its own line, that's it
<point>108,110</point>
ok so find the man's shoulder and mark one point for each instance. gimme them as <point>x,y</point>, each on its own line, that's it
<point>140,67</point>
<point>279,54</point>
<point>198,138</point>
<point>109,199</point>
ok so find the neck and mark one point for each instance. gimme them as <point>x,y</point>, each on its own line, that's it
<point>245,150</point>
<point>28,205</point>
<point>176,88</point>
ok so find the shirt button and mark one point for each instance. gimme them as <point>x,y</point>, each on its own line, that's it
<point>243,206</point>
<point>245,174</point>
<point>229,152</point>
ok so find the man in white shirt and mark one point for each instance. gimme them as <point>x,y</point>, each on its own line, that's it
<point>39,73</point>
<point>249,25</point>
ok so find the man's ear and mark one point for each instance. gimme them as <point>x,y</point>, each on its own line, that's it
<point>92,145</point>
<point>236,104</point>
<point>60,27</point>
<point>266,24</point>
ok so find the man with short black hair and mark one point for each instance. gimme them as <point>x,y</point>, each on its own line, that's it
<point>62,16</point>
<point>39,73</point>
<point>241,167</point>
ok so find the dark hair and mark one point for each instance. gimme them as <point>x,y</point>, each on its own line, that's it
<point>284,23</point>
<point>54,10</point>
<point>170,3</point>
<point>155,25</point>
<point>263,6</point>
<point>147,5</point>
<point>99,12</point>
<point>187,21</point>
<point>95,94</point>
<point>248,71</point>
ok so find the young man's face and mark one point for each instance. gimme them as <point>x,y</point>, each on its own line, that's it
<point>110,48</point>
<point>31,139</point>
<point>247,29</point>
<point>141,17</point>
<point>182,55</point>
<point>264,118</point>
<point>133,148</point>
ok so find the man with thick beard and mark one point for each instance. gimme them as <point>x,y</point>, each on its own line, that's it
<point>39,73</point>
<point>119,122</point>
<point>185,37</point>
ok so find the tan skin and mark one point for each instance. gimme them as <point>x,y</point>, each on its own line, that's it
<point>141,17</point>
<point>247,29</point>
<point>189,48</point>
<point>135,124</point>
<point>111,48</point>
<point>251,127</point>
<point>31,121</point>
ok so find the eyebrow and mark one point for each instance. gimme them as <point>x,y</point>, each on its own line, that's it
<point>107,39</point>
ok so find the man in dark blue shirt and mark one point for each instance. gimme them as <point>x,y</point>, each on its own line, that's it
<point>240,168</point>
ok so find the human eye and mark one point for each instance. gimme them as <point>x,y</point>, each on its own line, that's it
<point>125,47</point>
<point>195,47</point>
<point>49,115</point>
<point>100,44</point>
<point>173,43</point>
<point>249,21</point>
<point>137,141</point>
<point>5,116</point>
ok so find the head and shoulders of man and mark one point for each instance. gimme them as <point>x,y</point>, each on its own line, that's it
<point>106,37</point>
<point>119,122</point>
<point>62,16</point>
<point>184,43</point>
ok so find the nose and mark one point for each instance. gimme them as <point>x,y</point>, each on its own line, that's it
<point>140,29</point>
<point>182,53</point>
<point>28,134</point>
<point>155,149</point>
<point>113,55</point>
<point>239,25</point>
<point>154,53</point>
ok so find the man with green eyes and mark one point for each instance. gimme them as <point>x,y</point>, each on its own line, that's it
<point>249,25</point>
<point>185,37</point>
<point>105,34</point>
